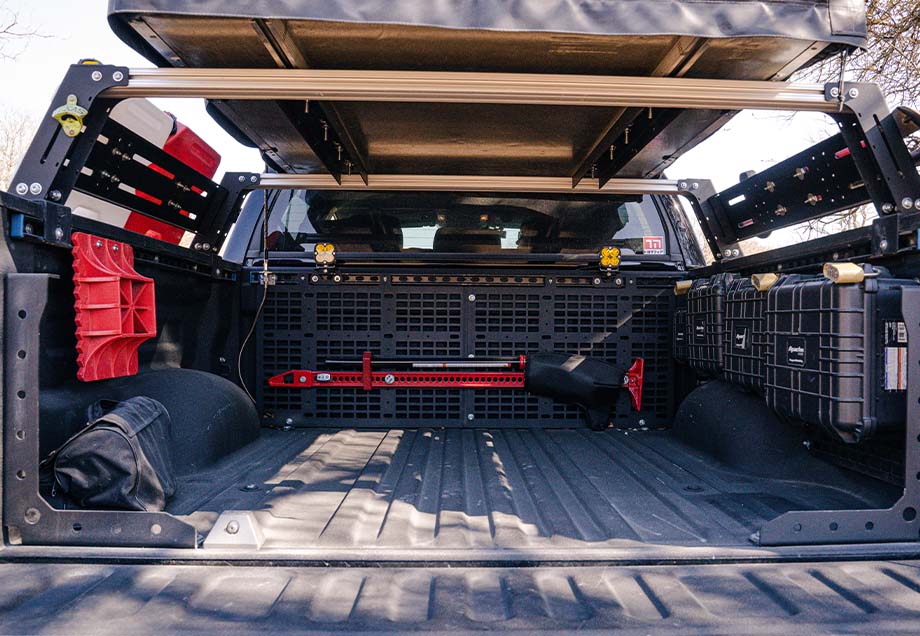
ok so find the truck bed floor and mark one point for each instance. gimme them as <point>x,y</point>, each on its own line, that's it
<point>491,489</point>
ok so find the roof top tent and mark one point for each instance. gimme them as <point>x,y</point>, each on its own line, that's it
<point>766,40</point>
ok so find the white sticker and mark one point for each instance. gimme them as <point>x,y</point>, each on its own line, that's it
<point>895,368</point>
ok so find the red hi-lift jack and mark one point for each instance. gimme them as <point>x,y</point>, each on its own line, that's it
<point>515,377</point>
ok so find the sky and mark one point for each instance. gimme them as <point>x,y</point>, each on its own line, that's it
<point>751,141</point>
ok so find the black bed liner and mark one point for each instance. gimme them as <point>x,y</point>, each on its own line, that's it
<point>753,40</point>
<point>505,493</point>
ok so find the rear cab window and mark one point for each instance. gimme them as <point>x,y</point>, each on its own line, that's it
<point>436,222</point>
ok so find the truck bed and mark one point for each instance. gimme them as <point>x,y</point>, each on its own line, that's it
<point>501,492</point>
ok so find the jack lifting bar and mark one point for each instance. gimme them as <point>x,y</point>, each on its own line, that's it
<point>587,382</point>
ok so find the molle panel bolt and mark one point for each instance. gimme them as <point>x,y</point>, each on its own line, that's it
<point>118,76</point>
<point>887,208</point>
<point>35,188</point>
<point>253,178</point>
<point>314,278</point>
<point>883,245</point>
<point>682,185</point>
<point>597,281</point>
<point>58,234</point>
<point>835,92</point>
<point>470,417</point>
<point>55,195</point>
<point>471,298</point>
<point>853,93</point>
<point>206,246</point>
<point>97,76</point>
<point>242,178</point>
<point>22,189</point>
<point>907,203</point>
<point>337,278</point>
<point>233,527</point>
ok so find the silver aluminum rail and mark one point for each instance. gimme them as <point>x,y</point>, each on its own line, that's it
<point>483,88</point>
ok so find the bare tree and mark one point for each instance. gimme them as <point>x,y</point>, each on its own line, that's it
<point>14,35</point>
<point>16,131</point>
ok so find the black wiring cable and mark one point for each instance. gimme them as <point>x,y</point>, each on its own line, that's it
<point>255,319</point>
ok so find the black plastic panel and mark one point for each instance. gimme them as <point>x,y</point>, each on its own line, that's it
<point>432,316</point>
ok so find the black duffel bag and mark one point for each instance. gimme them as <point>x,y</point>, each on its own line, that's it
<point>120,460</point>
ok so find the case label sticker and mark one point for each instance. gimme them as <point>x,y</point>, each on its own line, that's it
<point>895,368</point>
<point>653,245</point>
<point>740,340</point>
<point>895,333</point>
<point>699,329</point>
<point>795,352</point>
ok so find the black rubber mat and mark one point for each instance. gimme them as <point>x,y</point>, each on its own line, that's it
<point>492,489</point>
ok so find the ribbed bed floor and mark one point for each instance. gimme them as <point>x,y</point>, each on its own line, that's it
<point>514,489</point>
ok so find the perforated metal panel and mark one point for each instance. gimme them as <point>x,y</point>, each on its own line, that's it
<point>432,316</point>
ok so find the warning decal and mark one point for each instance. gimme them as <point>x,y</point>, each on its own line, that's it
<point>653,245</point>
<point>895,368</point>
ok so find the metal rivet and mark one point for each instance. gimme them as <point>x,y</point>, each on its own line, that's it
<point>118,76</point>
<point>96,75</point>
<point>98,243</point>
<point>35,188</point>
<point>853,92</point>
<point>233,527</point>
<point>156,529</point>
<point>22,188</point>
<point>302,379</point>
<point>907,203</point>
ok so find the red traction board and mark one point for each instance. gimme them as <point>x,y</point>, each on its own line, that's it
<point>115,308</point>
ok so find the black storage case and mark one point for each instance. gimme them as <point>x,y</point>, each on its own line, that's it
<point>745,344</point>
<point>837,354</point>
<point>706,323</point>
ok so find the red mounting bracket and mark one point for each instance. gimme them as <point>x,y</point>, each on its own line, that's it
<point>115,308</point>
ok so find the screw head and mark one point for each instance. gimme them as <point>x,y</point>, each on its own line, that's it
<point>98,243</point>
<point>242,178</point>
<point>29,228</point>
<point>35,188</point>
<point>389,378</point>
<point>233,527</point>
<point>835,92</point>
<point>96,75</point>
<point>118,76</point>
<point>253,178</point>
<point>55,195</point>
<point>682,185</point>
<point>58,233</point>
<point>887,208</point>
<point>694,186</point>
<point>314,278</point>
<point>115,247</point>
<point>618,282</point>
<point>883,245</point>
<point>22,189</point>
<point>302,379</point>
<point>337,278</point>
<point>205,246</point>
<point>471,298</point>
<point>597,281</point>
<point>470,417</point>
<point>907,203</point>
<point>917,203</point>
<point>289,421</point>
<point>32,516</point>
<point>853,92</point>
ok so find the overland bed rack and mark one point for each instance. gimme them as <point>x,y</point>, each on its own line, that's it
<point>56,163</point>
